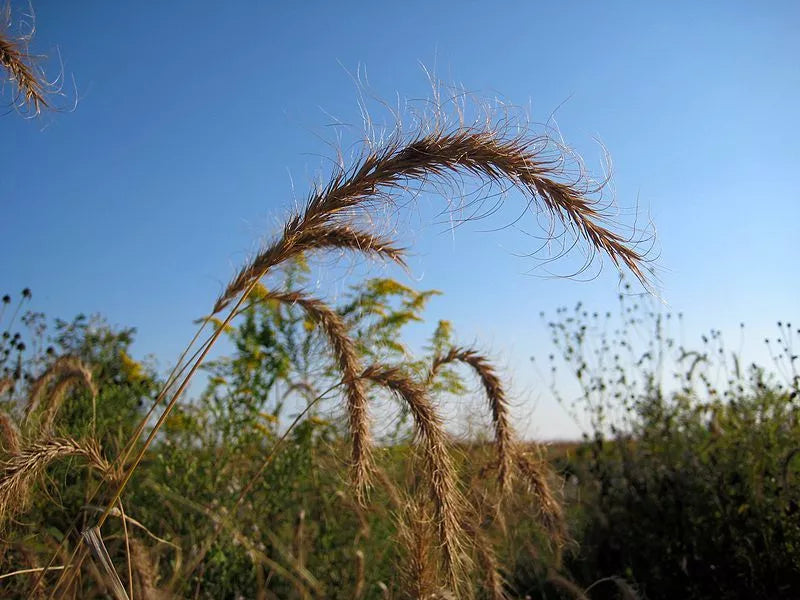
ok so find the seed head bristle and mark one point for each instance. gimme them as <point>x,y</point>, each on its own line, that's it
<point>415,534</point>
<point>299,238</point>
<point>79,375</point>
<point>62,367</point>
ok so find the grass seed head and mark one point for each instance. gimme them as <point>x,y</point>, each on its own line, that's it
<point>19,472</point>
<point>496,395</point>
<point>448,502</point>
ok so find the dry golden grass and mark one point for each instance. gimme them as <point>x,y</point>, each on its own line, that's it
<point>488,567</point>
<point>65,372</point>
<point>145,571</point>
<point>415,534</point>
<point>80,376</point>
<point>329,217</point>
<point>358,591</point>
<point>299,239</point>
<point>6,384</point>
<point>484,153</point>
<point>534,472</point>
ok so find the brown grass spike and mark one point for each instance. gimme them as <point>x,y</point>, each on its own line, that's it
<point>349,364</point>
<point>299,238</point>
<point>62,367</point>
<point>534,474</point>
<point>80,375</point>
<point>495,393</point>
<point>447,499</point>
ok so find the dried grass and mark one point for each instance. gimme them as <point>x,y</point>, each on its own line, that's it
<point>145,571</point>
<point>492,579</point>
<point>358,589</point>
<point>533,472</point>
<point>330,220</point>
<point>94,541</point>
<point>9,434</point>
<point>79,376</point>
<point>300,237</point>
<point>20,471</point>
<point>488,154</point>
<point>63,368</point>
<point>416,537</point>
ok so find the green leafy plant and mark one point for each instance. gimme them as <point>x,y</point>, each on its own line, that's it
<point>685,482</point>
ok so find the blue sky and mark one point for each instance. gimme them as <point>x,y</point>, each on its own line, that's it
<point>198,124</point>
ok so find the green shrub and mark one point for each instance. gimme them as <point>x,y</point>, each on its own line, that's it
<point>684,485</point>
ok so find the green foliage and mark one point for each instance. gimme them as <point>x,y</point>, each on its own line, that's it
<point>124,386</point>
<point>686,485</point>
<point>280,356</point>
<point>280,364</point>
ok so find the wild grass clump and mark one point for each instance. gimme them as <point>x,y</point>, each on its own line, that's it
<point>333,212</point>
<point>446,535</point>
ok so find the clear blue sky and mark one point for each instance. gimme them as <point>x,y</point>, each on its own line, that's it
<point>195,119</point>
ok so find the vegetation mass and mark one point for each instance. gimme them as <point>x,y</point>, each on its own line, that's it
<point>317,463</point>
